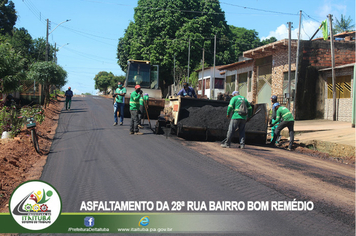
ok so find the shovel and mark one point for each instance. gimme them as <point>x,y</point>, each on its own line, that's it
<point>148,117</point>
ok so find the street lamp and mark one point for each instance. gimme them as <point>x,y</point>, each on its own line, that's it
<point>46,82</point>
<point>55,52</point>
<point>47,34</point>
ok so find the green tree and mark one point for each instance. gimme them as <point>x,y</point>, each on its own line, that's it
<point>243,40</point>
<point>48,73</point>
<point>163,29</point>
<point>23,43</point>
<point>11,68</point>
<point>8,17</point>
<point>103,80</point>
<point>343,24</point>
<point>39,50</point>
<point>268,41</point>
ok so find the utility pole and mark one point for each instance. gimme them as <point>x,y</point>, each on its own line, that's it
<point>55,53</point>
<point>332,65</point>
<point>212,80</point>
<point>296,66</point>
<point>202,76</point>
<point>289,63</point>
<point>174,73</point>
<point>188,59</point>
<point>47,39</point>
<point>48,33</point>
<point>47,52</point>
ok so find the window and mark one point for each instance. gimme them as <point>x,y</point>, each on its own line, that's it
<point>285,83</point>
<point>219,83</point>
<point>207,84</point>
<point>230,84</point>
<point>249,81</point>
<point>342,85</point>
<point>243,84</point>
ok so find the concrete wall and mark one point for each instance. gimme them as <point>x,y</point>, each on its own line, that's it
<point>343,105</point>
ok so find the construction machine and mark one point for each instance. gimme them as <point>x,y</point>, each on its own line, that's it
<point>147,76</point>
<point>205,120</point>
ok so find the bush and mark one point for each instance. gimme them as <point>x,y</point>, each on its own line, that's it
<point>10,121</point>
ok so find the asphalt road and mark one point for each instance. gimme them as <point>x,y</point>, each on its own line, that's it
<point>92,160</point>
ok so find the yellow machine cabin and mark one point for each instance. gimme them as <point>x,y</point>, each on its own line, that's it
<point>146,75</point>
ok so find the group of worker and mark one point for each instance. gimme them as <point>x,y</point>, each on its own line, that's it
<point>138,105</point>
<point>281,118</point>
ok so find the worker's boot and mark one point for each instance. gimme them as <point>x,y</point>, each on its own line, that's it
<point>138,133</point>
<point>225,145</point>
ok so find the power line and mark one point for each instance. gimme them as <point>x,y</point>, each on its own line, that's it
<point>304,29</point>
<point>89,56</point>
<point>37,13</point>
<point>257,9</point>
<point>93,35</point>
<point>306,15</point>
<point>198,12</point>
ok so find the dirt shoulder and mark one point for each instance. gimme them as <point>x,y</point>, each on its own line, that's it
<point>329,184</point>
<point>19,161</point>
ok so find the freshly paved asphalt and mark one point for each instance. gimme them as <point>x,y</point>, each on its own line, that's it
<point>92,160</point>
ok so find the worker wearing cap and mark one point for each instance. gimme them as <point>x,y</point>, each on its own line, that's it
<point>134,109</point>
<point>143,103</point>
<point>288,121</point>
<point>119,104</point>
<point>187,91</point>
<point>69,95</point>
<point>273,129</point>
<point>238,120</point>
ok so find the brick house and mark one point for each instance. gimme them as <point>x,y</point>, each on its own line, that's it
<point>270,76</point>
<point>270,71</point>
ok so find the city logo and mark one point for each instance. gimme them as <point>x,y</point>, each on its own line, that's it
<point>144,221</point>
<point>89,221</point>
<point>35,205</point>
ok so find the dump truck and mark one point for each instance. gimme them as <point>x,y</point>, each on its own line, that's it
<point>146,75</point>
<point>205,120</point>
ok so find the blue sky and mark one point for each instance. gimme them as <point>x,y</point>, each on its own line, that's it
<point>88,42</point>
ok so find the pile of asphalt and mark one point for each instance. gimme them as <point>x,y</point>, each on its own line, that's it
<point>207,116</point>
<point>215,118</point>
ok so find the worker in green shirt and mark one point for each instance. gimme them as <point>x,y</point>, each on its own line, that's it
<point>274,114</point>
<point>134,109</point>
<point>238,118</point>
<point>288,121</point>
<point>119,104</point>
<point>143,103</point>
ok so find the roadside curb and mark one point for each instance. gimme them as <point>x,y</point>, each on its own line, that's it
<point>334,149</point>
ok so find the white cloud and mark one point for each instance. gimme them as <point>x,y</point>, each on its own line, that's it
<point>307,30</point>
<point>330,8</point>
<point>309,26</point>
